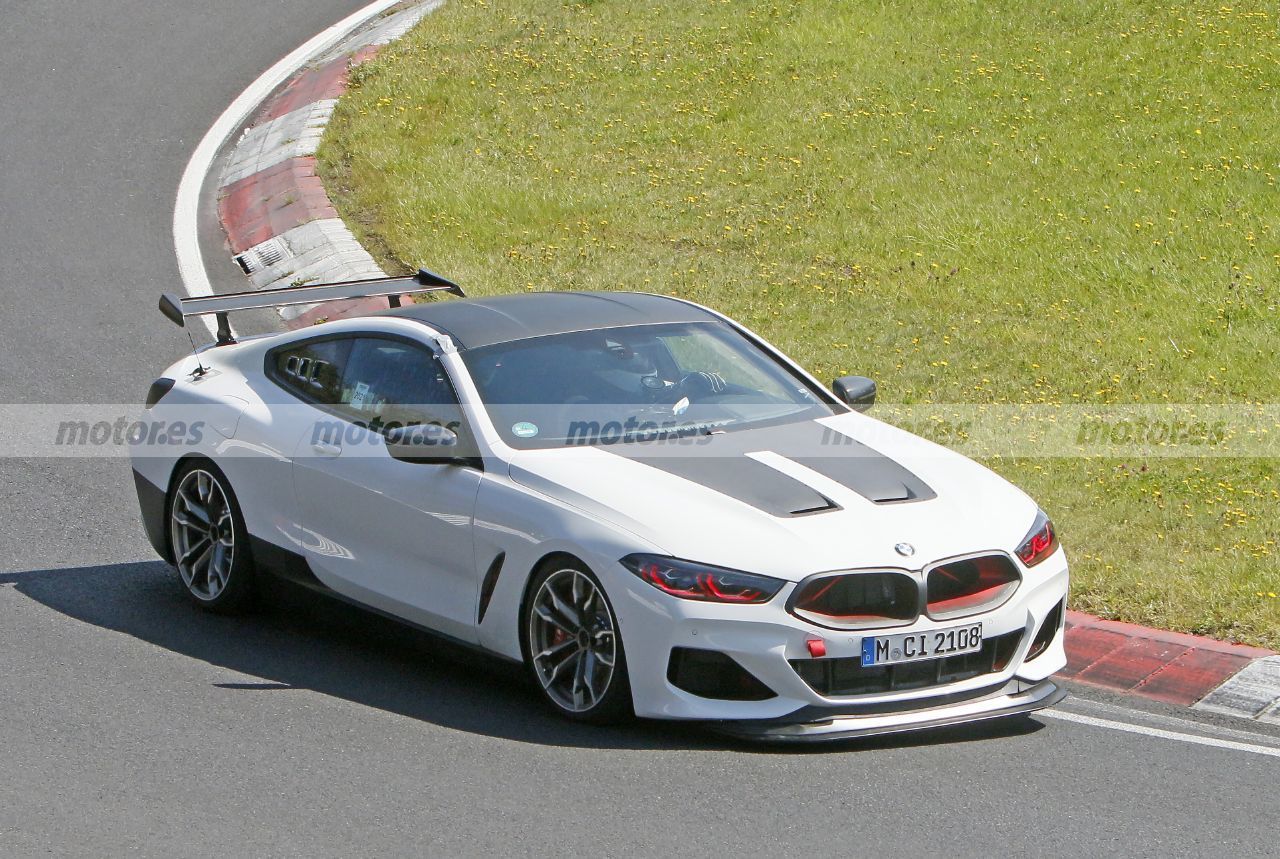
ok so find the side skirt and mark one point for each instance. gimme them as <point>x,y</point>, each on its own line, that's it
<point>291,567</point>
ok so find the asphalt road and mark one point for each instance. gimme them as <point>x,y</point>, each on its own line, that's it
<point>132,722</point>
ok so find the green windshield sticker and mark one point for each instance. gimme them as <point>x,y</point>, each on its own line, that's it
<point>524,429</point>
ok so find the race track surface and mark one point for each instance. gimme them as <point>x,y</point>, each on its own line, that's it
<point>131,721</point>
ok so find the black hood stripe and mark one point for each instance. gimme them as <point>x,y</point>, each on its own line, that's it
<point>720,462</point>
<point>745,479</point>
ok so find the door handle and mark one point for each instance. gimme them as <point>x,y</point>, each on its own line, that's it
<point>324,448</point>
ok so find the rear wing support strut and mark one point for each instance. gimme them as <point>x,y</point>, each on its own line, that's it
<point>177,310</point>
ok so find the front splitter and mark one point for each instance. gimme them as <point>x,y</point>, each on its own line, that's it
<point>843,727</point>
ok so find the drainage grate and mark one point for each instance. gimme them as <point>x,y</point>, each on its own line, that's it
<point>263,255</point>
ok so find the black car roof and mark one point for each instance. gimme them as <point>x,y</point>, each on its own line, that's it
<point>477,322</point>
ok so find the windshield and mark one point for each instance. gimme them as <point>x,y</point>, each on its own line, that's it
<point>635,383</point>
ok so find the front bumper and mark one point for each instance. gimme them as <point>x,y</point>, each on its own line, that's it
<point>766,639</point>
<point>1014,698</point>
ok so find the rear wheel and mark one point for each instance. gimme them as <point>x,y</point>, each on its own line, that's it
<point>207,534</point>
<point>573,648</point>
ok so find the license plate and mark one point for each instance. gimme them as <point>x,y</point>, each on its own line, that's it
<point>914,646</point>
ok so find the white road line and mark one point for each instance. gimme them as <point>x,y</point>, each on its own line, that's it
<point>1103,710</point>
<point>186,209</point>
<point>1161,733</point>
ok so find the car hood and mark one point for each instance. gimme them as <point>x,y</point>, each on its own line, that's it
<point>788,501</point>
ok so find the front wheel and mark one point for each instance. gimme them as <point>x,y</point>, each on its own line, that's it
<point>573,648</point>
<point>208,537</point>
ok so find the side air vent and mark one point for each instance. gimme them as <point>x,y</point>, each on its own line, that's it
<point>490,582</point>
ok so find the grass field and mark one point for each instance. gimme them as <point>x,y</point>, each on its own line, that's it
<point>1000,202</point>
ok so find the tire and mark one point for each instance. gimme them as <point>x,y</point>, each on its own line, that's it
<point>208,538</point>
<point>570,634</point>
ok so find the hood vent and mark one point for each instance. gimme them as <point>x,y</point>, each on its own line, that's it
<point>821,508</point>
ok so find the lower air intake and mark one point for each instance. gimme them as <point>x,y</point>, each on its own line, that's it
<point>845,675</point>
<point>712,674</point>
<point>1047,632</point>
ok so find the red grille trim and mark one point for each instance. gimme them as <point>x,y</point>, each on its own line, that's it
<point>858,600</point>
<point>968,586</point>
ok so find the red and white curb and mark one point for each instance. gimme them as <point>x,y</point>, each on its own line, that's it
<point>283,230</point>
<point>1173,667</point>
<point>280,225</point>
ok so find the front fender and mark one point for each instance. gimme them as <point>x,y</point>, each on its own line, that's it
<point>527,526</point>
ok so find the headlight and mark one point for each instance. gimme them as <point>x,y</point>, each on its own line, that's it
<point>690,581</point>
<point>1041,541</point>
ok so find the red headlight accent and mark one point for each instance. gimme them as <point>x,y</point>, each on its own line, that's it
<point>692,581</point>
<point>1041,541</point>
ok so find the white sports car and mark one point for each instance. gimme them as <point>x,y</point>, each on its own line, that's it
<point>648,505</point>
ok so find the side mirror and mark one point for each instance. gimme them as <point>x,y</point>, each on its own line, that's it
<point>858,391</point>
<point>423,443</point>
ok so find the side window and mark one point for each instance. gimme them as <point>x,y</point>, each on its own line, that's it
<point>391,382</point>
<point>313,370</point>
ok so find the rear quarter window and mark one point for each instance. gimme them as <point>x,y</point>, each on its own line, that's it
<point>312,370</point>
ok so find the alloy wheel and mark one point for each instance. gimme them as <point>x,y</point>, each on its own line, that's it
<point>572,640</point>
<point>203,534</point>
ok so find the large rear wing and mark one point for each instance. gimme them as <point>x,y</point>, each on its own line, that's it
<point>178,309</point>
